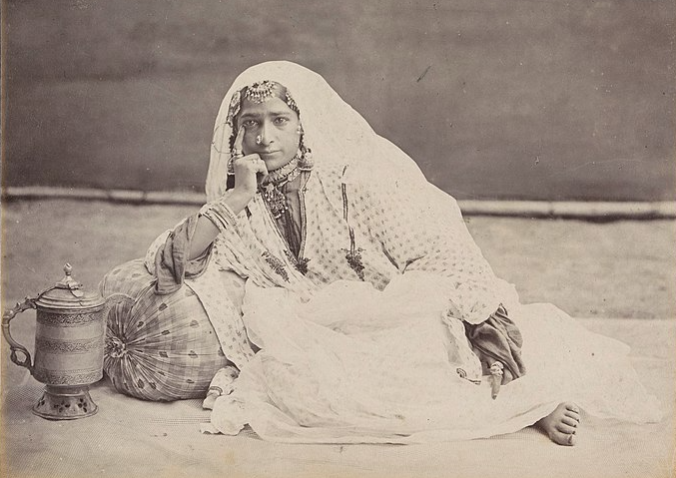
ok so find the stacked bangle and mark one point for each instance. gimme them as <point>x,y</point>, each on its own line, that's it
<point>220,214</point>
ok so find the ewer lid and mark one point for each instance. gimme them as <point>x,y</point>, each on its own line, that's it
<point>67,295</point>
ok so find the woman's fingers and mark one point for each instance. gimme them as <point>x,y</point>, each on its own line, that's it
<point>248,169</point>
<point>252,162</point>
<point>259,165</point>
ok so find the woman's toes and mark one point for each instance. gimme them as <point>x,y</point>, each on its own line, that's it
<point>562,438</point>
<point>567,429</point>
<point>573,416</point>
<point>562,424</point>
<point>570,421</point>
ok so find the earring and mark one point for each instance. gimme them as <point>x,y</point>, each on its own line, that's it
<point>299,129</point>
<point>305,162</point>
<point>259,140</point>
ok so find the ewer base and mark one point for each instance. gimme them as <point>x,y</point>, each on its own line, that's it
<point>65,403</point>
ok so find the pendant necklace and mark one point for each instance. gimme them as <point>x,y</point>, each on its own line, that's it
<point>276,201</point>
<point>272,184</point>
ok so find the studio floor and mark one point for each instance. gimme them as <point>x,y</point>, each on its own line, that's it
<point>617,277</point>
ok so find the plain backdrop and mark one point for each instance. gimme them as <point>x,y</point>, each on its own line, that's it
<point>495,99</point>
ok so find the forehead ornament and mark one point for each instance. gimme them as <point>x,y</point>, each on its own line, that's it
<point>260,92</point>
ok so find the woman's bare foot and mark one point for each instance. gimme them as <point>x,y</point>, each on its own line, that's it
<point>562,424</point>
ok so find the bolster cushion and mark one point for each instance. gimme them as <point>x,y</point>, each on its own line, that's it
<point>158,347</point>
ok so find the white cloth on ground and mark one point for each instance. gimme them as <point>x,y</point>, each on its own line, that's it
<point>357,365</point>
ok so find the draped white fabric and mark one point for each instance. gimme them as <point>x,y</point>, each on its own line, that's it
<point>336,133</point>
<point>356,365</point>
<point>391,204</point>
<point>379,361</point>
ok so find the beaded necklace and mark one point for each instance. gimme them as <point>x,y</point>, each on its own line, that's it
<point>272,191</point>
<point>273,182</point>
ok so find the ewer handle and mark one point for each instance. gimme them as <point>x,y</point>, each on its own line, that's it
<point>28,303</point>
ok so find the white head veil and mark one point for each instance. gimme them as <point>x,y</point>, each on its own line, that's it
<point>341,139</point>
<point>337,135</point>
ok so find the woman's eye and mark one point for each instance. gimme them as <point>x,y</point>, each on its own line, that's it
<point>250,123</point>
<point>281,121</point>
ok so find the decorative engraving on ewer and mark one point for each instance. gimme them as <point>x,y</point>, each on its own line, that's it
<point>69,338</point>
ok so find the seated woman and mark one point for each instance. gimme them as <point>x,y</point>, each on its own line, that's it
<point>365,313</point>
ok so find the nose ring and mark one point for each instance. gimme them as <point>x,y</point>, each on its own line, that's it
<point>259,140</point>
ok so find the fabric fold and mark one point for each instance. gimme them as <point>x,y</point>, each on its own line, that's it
<point>498,339</point>
<point>172,260</point>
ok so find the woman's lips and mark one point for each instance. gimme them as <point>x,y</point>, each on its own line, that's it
<point>267,154</point>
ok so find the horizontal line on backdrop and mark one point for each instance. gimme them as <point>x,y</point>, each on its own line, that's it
<point>599,210</point>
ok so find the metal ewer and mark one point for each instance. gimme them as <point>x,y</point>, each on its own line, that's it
<point>69,342</point>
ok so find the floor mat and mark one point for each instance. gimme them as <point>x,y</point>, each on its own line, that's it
<point>130,438</point>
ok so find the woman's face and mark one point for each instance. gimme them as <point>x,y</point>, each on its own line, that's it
<point>271,130</point>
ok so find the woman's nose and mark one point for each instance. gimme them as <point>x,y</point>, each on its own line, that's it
<point>265,134</point>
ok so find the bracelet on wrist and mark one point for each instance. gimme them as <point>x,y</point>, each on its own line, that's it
<point>220,214</point>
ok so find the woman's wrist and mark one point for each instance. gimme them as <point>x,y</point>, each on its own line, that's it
<point>223,211</point>
<point>237,200</point>
<point>220,214</point>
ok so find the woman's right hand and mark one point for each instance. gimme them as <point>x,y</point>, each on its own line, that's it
<point>247,168</point>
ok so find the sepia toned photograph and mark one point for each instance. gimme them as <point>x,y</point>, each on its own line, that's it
<point>249,238</point>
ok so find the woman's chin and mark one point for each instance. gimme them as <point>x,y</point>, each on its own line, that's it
<point>274,162</point>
